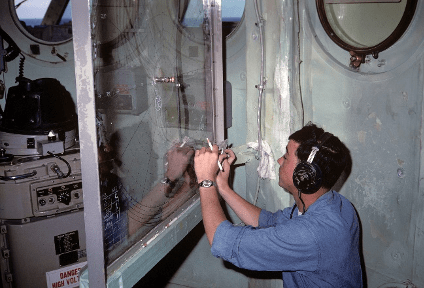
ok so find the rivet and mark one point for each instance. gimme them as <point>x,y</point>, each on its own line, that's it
<point>401,173</point>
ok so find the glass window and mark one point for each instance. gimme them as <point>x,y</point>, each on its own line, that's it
<point>362,27</point>
<point>232,14</point>
<point>50,21</point>
<point>232,10</point>
<point>152,62</point>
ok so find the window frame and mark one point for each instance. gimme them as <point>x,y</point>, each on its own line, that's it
<point>358,53</point>
<point>129,268</point>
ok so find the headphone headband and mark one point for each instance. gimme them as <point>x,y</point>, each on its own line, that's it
<point>323,138</point>
<point>307,176</point>
<point>312,155</point>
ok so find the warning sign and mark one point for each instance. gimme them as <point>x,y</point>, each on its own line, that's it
<point>65,277</point>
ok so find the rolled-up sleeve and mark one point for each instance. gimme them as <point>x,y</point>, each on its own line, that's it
<point>267,219</point>
<point>225,238</point>
<point>276,248</point>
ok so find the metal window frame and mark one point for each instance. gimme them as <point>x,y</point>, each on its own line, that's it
<point>81,30</point>
<point>140,258</point>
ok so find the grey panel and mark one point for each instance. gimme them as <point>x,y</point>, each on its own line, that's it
<point>35,249</point>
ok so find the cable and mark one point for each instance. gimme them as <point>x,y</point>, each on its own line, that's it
<point>21,66</point>
<point>301,200</point>
<point>66,162</point>
<point>260,87</point>
<point>300,62</point>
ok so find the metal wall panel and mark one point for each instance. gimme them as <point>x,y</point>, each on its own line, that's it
<point>377,112</point>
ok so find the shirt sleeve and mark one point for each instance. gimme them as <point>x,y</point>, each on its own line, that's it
<point>267,219</point>
<point>277,245</point>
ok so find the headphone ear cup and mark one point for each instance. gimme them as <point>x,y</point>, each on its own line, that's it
<point>307,177</point>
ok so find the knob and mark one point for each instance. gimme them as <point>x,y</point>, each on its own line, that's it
<point>64,197</point>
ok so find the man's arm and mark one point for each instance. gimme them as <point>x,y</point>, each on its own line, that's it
<point>178,160</point>
<point>247,212</point>
<point>142,212</point>
<point>212,212</point>
<point>206,167</point>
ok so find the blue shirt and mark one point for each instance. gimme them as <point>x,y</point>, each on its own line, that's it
<point>317,249</point>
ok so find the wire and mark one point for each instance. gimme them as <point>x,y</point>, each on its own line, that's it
<point>21,66</point>
<point>260,87</point>
<point>300,62</point>
<point>301,200</point>
<point>66,162</point>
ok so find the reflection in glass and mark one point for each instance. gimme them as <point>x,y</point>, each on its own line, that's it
<point>364,25</point>
<point>232,13</point>
<point>153,99</point>
<point>232,10</point>
<point>50,21</point>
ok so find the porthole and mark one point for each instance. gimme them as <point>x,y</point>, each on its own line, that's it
<point>41,29</point>
<point>232,15</point>
<point>365,27</point>
<point>46,21</point>
<point>232,12</point>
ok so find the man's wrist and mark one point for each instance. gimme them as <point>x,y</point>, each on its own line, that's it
<point>207,183</point>
<point>168,182</point>
<point>170,176</point>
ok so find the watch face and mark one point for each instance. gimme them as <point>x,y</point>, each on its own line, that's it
<point>206,183</point>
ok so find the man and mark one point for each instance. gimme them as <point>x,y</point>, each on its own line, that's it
<point>315,243</point>
<point>177,186</point>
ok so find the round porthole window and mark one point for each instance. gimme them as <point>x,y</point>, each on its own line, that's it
<point>232,15</point>
<point>365,27</point>
<point>46,21</point>
<point>231,12</point>
<point>40,29</point>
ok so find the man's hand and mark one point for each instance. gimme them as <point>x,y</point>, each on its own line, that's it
<point>178,159</point>
<point>226,159</point>
<point>206,163</point>
<point>206,167</point>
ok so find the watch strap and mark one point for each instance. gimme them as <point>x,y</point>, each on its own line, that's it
<point>207,183</point>
<point>167,181</point>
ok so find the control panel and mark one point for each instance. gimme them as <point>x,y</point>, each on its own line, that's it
<point>36,186</point>
<point>57,196</point>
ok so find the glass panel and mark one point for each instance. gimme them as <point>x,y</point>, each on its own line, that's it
<point>154,106</point>
<point>232,13</point>
<point>364,25</point>
<point>50,21</point>
<point>232,10</point>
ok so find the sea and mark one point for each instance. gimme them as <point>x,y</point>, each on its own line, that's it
<point>36,22</point>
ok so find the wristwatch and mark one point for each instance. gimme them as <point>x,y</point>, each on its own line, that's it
<point>206,183</point>
<point>168,181</point>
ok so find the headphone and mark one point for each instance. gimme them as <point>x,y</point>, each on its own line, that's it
<point>307,176</point>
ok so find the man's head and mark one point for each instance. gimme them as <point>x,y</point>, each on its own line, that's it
<point>331,158</point>
<point>288,163</point>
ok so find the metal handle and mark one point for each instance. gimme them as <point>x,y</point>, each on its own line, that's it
<point>23,176</point>
<point>164,80</point>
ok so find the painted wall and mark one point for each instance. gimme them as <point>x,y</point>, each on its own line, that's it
<point>377,113</point>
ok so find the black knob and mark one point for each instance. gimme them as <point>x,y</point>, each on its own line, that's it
<point>64,197</point>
